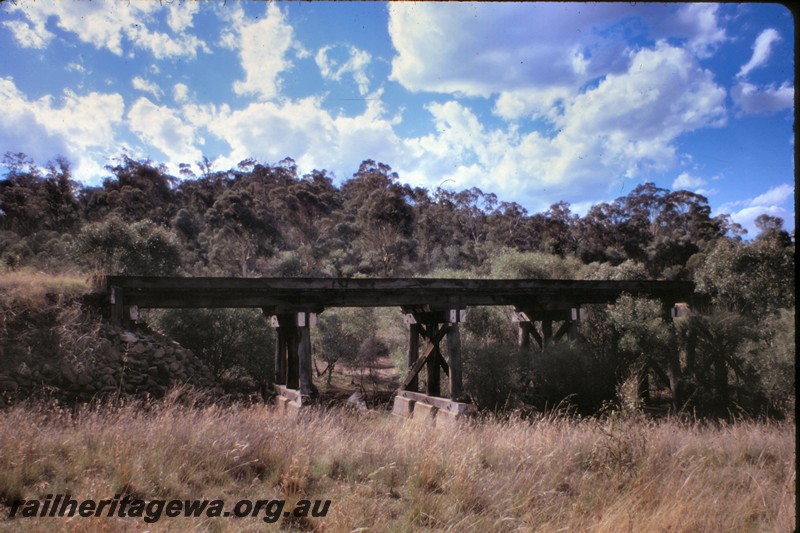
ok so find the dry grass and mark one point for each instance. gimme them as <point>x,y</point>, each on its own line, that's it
<point>384,474</point>
<point>31,289</point>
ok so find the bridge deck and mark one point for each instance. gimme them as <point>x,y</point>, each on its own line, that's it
<point>308,294</point>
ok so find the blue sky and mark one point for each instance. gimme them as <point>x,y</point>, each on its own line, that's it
<point>536,102</point>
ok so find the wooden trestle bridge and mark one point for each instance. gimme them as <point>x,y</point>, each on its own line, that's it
<point>432,309</point>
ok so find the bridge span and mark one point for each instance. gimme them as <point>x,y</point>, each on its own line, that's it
<point>432,309</point>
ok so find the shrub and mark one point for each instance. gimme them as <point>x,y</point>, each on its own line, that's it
<point>227,340</point>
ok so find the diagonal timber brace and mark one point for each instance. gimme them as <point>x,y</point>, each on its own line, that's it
<point>434,327</point>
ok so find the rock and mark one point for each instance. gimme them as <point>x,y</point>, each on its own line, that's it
<point>138,348</point>
<point>23,370</point>
<point>357,401</point>
<point>128,337</point>
<point>9,386</point>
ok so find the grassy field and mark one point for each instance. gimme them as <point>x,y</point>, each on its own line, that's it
<point>555,473</point>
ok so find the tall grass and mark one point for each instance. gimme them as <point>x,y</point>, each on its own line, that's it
<point>31,289</point>
<point>554,473</point>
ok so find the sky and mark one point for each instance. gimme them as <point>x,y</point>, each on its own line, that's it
<point>535,102</point>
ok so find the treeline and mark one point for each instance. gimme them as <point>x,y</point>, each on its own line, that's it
<point>267,220</point>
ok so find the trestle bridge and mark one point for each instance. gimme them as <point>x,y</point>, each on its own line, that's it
<point>431,308</point>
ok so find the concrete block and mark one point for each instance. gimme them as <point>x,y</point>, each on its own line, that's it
<point>403,407</point>
<point>280,403</point>
<point>448,419</point>
<point>293,408</point>
<point>424,413</point>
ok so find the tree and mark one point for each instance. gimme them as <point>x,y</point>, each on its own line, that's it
<point>118,248</point>
<point>771,229</point>
<point>752,279</point>
<point>646,340</point>
<point>139,190</point>
<point>385,218</point>
<point>242,229</point>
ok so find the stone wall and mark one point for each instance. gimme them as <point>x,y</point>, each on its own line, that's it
<point>133,363</point>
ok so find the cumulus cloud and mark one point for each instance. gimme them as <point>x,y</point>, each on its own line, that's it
<point>162,127</point>
<point>687,181</point>
<point>697,23</point>
<point>306,132</point>
<point>773,202</point>
<point>481,49</point>
<point>146,86</point>
<point>751,99</point>
<point>180,92</point>
<point>761,51</point>
<point>81,128</point>
<point>262,46</point>
<point>29,35</point>
<point>596,141</point>
<point>106,24</point>
<point>774,196</point>
<point>181,16</point>
<point>356,63</point>
<point>532,53</point>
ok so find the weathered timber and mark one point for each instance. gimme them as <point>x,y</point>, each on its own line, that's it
<point>284,295</point>
<point>565,327</point>
<point>547,332</point>
<point>524,335</point>
<point>414,370</point>
<point>304,360</point>
<point>413,353</point>
<point>433,385</point>
<point>454,353</point>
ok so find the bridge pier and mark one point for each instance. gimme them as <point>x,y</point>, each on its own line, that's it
<point>293,366</point>
<point>528,317</point>
<point>434,326</point>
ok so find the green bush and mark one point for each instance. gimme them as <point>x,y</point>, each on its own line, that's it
<point>229,341</point>
<point>117,247</point>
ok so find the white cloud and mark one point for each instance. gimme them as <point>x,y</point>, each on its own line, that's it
<point>105,24</point>
<point>164,46</point>
<point>751,99</point>
<point>82,128</point>
<point>181,15</point>
<point>262,48</point>
<point>304,131</point>
<point>33,35</point>
<point>761,51</point>
<point>687,182</point>
<point>775,202</point>
<point>147,86</point>
<point>774,196</point>
<point>76,67</point>
<point>697,22</point>
<point>161,127</point>
<point>596,141</point>
<point>356,64</point>
<point>481,49</point>
<point>180,92</point>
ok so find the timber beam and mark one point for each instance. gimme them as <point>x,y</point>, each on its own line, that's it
<point>302,294</point>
